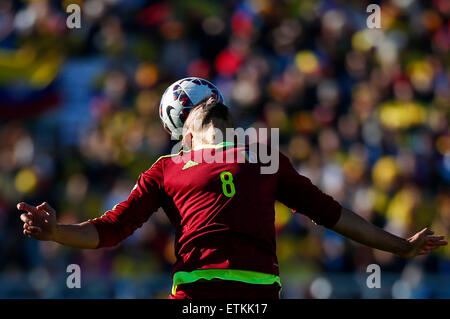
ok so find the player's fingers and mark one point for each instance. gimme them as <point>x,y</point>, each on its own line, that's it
<point>26,226</point>
<point>46,207</point>
<point>26,219</point>
<point>34,230</point>
<point>426,232</point>
<point>27,207</point>
<point>29,227</point>
<point>431,240</point>
<point>437,244</point>
<point>435,238</point>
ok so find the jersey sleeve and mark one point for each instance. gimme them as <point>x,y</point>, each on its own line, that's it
<point>121,221</point>
<point>298,193</point>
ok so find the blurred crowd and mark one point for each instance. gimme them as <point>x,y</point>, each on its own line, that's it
<point>362,112</point>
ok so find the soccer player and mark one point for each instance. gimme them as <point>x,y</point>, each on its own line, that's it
<point>223,214</point>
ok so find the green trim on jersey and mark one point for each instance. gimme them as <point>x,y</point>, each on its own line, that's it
<point>247,276</point>
<point>164,156</point>
<point>223,144</point>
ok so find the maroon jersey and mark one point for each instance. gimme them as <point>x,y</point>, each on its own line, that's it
<point>223,211</point>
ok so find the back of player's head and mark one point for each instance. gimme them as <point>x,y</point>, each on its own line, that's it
<point>209,113</point>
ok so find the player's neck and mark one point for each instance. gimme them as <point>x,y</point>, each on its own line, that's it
<point>208,139</point>
<point>198,142</point>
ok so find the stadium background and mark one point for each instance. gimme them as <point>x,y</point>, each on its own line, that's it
<point>363,113</point>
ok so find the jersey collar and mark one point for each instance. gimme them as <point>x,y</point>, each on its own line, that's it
<point>223,144</point>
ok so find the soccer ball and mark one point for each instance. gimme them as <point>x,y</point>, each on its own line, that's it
<point>179,99</point>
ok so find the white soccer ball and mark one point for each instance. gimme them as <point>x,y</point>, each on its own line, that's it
<point>179,99</point>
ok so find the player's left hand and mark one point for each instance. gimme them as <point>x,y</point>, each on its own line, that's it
<point>423,242</point>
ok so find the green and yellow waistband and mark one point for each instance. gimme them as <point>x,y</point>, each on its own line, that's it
<point>247,276</point>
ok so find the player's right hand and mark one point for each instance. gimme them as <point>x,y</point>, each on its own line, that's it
<point>39,222</point>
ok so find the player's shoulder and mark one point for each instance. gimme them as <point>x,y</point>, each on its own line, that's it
<point>166,158</point>
<point>264,149</point>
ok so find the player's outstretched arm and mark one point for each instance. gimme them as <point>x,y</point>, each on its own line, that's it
<point>40,223</point>
<point>360,230</point>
